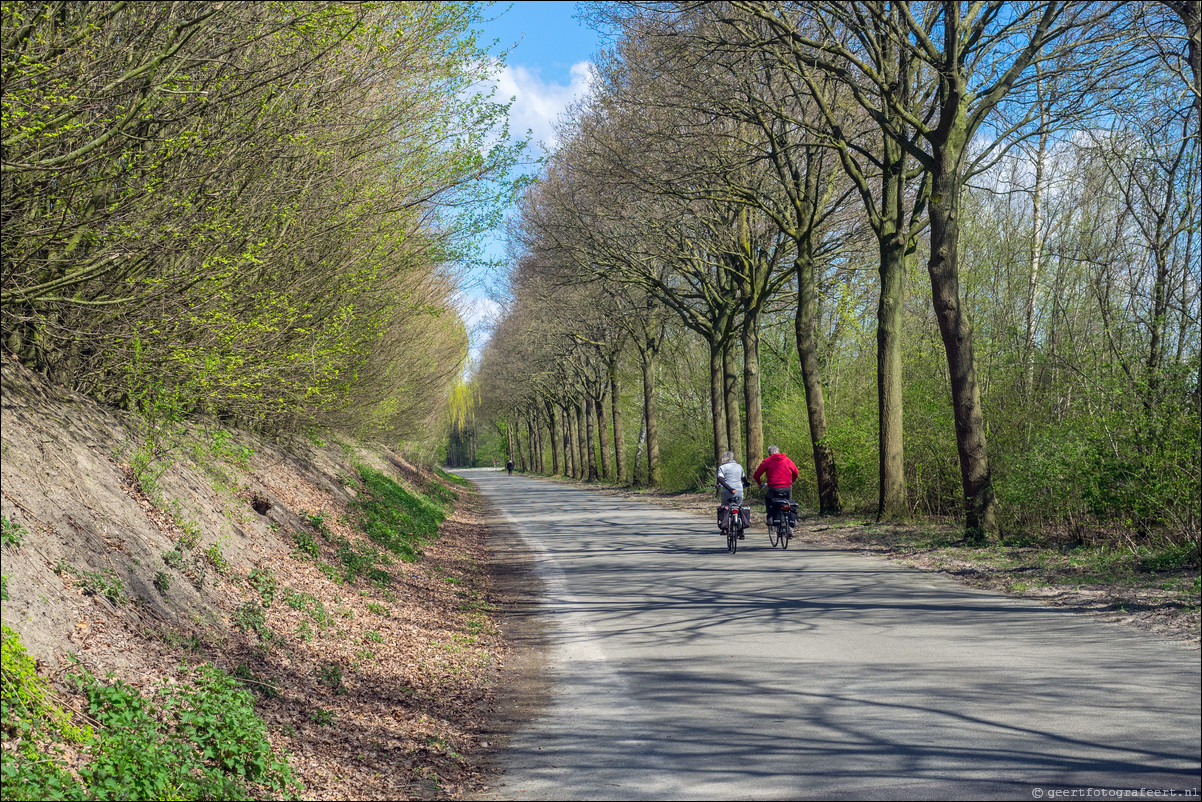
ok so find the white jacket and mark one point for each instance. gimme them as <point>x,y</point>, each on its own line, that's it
<point>732,474</point>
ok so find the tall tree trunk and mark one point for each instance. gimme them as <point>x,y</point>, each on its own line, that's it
<point>603,437</point>
<point>553,430</point>
<point>894,242</point>
<point>980,503</point>
<point>717,400</point>
<point>654,477</point>
<point>751,389</point>
<point>730,386</point>
<point>891,504</point>
<point>517,437</point>
<point>1160,309</point>
<point>1037,244</point>
<point>584,459</point>
<point>637,467</point>
<point>542,446</point>
<point>574,441</point>
<point>533,422</point>
<point>1190,13</point>
<point>807,351</point>
<point>615,400</point>
<point>569,459</point>
<point>590,439</point>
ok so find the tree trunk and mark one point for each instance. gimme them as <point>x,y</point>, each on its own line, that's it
<point>590,441</point>
<point>637,467</point>
<point>517,437</point>
<point>807,350</point>
<point>730,382</point>
<point>615,399</point>
<point>553,429</point>
<point>533,427</point>
<point>542,446</point>
<point>583,460</point>
<point>751,390</point>
<point>980,503</point>
<point>1190,13</point>
<point>891,504</point>
<point>654,478</point>
<point>717,401</point>
<point>603,437</point>
<point>1160,308</point>
<point>573,449</point>
<point>569,460</point>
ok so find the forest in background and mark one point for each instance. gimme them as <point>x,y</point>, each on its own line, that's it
<point>251,211</point>
<point>945,255</point>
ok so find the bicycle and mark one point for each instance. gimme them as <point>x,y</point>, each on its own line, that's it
<point>781,514</point>
<point>734,524</point>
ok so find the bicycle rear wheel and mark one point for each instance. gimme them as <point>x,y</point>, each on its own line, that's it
<point>786,533</point>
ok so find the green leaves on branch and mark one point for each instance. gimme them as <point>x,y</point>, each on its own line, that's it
<point>244,205</point>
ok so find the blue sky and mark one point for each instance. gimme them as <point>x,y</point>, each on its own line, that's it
<point>550,54</point>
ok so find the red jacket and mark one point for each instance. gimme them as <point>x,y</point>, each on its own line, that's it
<point>780,469</point>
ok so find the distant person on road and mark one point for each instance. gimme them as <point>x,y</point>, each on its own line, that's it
<point>780,473</point>
<point>509,467</point>
<point>731,481</point>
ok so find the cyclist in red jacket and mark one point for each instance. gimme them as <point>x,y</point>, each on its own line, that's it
<point>781,473</point>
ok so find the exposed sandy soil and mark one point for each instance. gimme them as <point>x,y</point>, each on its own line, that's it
<point>375,691</point>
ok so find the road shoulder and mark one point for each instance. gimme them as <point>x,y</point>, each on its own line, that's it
<point>523,685</point>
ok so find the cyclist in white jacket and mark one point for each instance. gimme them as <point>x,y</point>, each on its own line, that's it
<point>731,481</point>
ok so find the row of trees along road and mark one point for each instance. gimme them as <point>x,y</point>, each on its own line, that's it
<point>746,200</point>
<point>248,210</point>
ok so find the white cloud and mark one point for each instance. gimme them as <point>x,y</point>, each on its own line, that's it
<point>478,312</point>
<point>537,104</point>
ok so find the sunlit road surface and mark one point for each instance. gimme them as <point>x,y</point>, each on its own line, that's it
<point>680,671</point>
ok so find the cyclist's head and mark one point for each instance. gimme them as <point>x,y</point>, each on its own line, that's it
<point>727,456</point>
<point>773,450</point>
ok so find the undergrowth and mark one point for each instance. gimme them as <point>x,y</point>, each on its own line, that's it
<point>197,739</point>
<point>452,478</point>
<point>395,518</point>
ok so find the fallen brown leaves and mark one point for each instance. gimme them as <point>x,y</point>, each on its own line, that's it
<point>383,702</point>
<point>373,692</point>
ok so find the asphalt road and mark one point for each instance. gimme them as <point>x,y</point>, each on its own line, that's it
<point>679,671</point>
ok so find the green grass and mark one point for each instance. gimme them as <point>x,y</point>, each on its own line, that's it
<point>440,494</point>
<point>452,478</point>
<point>396,518</point>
